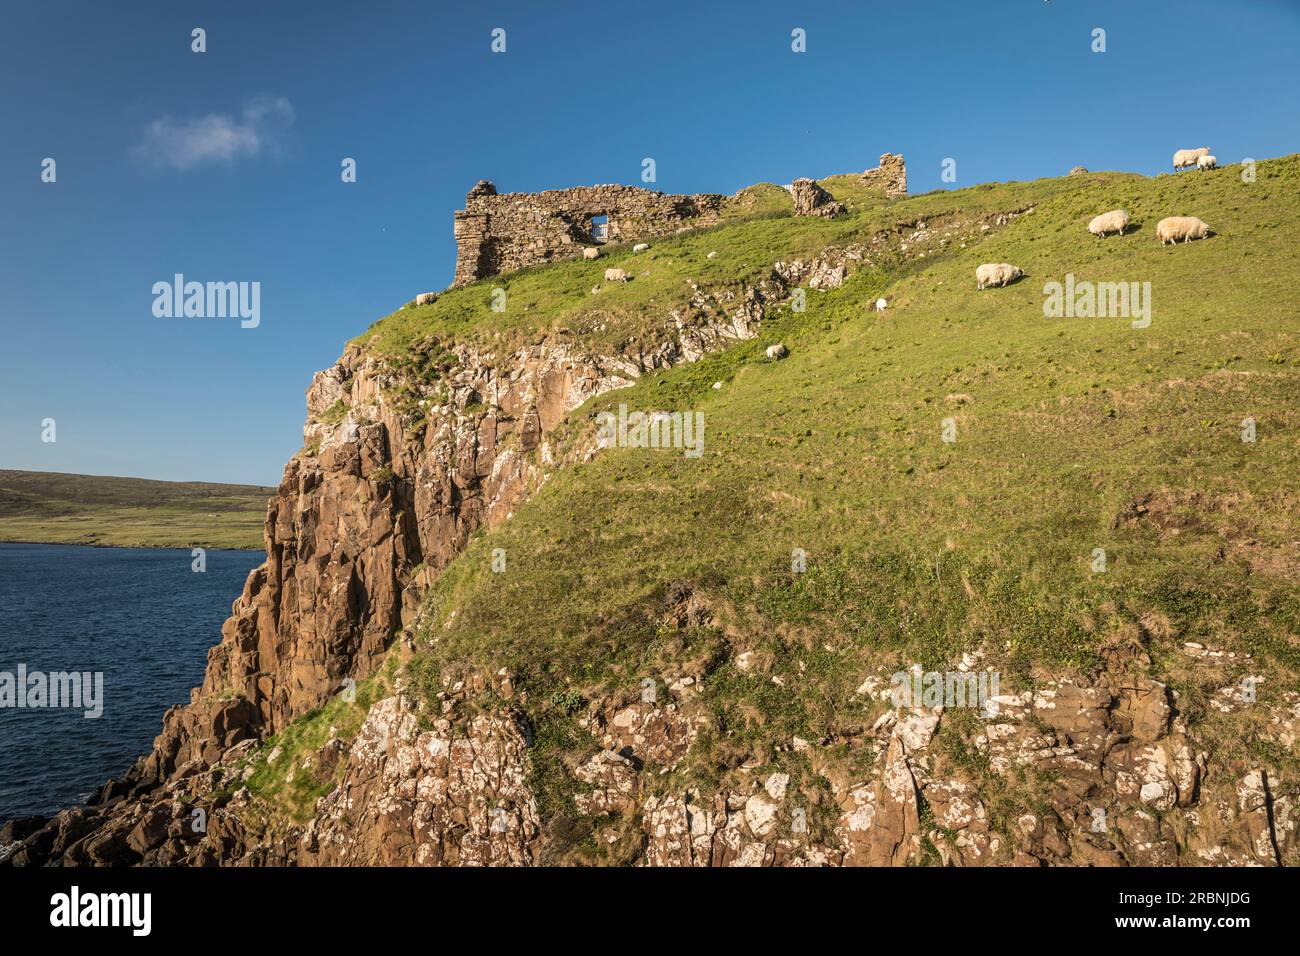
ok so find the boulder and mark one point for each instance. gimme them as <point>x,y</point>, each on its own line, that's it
<point>811,199</point>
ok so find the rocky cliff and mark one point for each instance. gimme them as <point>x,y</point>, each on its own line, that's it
<point>404,460</point>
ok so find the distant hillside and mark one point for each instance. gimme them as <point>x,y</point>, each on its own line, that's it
<point>55,508</point>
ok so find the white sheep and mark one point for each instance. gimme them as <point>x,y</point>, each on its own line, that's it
<point>776,352</point>
<point>641,247</point>
<point>1185,228</point>
<point>590,252</point>
<point>1114,221</point>
<point>1186,158</point>
<point>1207,162</point>
<point>881,305</point>
<point>616,275</point>
<point>996,273</point>
<point>426,298</point>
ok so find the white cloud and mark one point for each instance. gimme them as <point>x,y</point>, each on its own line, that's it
<point>261,127</point>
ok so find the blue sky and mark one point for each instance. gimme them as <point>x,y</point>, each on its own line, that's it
<point>224,166</point>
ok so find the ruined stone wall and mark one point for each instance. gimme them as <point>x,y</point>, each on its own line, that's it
<point>497,233</point>
<point>890,176</point>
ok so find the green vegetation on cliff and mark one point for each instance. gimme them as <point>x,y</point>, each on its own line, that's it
<point>1071,435</point>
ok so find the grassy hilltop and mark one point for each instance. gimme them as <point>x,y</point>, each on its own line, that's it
<point>1071,435</point>
<point>53,508</point>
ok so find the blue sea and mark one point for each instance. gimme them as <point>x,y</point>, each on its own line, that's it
<point>140,616</point>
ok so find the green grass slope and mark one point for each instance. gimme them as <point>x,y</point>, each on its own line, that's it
<point>1071,435</point>
<point>54,508</point>
<point>837,449</point>
<point>919,550</point>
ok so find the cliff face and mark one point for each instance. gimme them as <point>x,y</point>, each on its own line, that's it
<point>383,499</point>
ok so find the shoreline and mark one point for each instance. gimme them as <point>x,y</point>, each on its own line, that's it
<point>130,547</point>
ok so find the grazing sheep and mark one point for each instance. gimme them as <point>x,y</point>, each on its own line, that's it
<point>776,352</point>
<point>426,298</point>
<point>996,273</point>
<point>1185,228</point>
<point>641,247</point>
<point>616,275</point>
<point>1207,162</point>
<point>711,255</point>
<point>1114,221</point>
<point>1186,158</point>
<point>590,252</point>
<point>881,305</point>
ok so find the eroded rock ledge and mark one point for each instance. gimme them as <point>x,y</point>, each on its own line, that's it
<point>1119,781</point>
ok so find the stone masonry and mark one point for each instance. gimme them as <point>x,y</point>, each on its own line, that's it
<point>890,175</point>
<point>500,232</point>
<point>497,233</point>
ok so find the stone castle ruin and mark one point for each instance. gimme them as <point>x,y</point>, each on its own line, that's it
<point>890,177</point>
<point>497,233</point>
<point>501,232</point>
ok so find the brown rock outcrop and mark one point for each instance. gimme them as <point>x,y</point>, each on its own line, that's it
<point>810,199</point>
<point>441,797</point>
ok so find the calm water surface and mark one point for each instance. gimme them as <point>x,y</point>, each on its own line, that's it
<point>139,615</point>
